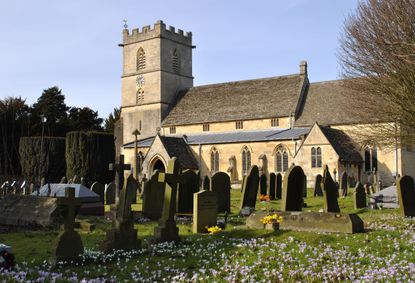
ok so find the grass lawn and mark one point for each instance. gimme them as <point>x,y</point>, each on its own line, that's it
<point>385,253</point>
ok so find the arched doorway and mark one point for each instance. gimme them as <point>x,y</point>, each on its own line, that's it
<point>158,165</point>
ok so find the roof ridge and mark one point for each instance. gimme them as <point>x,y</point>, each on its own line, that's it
<point>244,81</point>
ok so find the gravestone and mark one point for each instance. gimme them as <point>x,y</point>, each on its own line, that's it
<point>76,179</point>
<point>110,193</point>
<point>263,184</point>
<point>153,197</point>
<point>317,186</point>
<point>250,189</point>
<point>123,236</point>
<point>329,193</point>
<point>64,180</point>
<point>278,186</point>
<point>68,245</point>
<point>406,196</point>
<point>293,189</point>
<point>206,183</point>
<point>99,189</point>
<point>83,182</point>
<point>221,186</point>
<point>272,187</point>
<point>367,189</point>
<point>188,186</point>
<point>344,184</point>
<point>204,210</point>
<point>359,196</point>
<point>167,230</point>
<point>42,181</point>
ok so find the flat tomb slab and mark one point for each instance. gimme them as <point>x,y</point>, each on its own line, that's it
<point>330,222</point>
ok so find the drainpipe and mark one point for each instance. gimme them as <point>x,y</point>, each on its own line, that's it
<point>396,158</point>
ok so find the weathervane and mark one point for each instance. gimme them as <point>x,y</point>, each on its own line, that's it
<point>125,24</point>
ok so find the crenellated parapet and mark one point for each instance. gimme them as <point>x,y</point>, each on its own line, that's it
<point>159,30</point>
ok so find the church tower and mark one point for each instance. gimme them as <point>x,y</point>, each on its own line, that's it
<point>157,64</point>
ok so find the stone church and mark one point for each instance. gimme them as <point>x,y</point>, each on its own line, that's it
<point>270,122</point>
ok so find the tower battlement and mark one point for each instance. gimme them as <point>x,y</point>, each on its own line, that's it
<point>159,30</point>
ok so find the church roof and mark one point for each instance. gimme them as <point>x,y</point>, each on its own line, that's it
<point>234,137</point>
<point>177,147</point>
<point>241,100</point>
<point>342,144</point>
<point>331,103</point>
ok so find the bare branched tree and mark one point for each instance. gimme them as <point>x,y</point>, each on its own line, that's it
<point>377,55</point>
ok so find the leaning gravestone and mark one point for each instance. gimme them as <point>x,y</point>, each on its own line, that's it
<point>188,186</point>
<point>329,193</point>
<point>110,193</point>
<point>250,189</point>
<point>153,197</point>
<point>293,189</point>
<point>123,236</point>
<point>406,195</point>
<point>68,245</point>
<point>204,210</point>
<point>221,186</point>
<point>278,185</point>
<point>263,184</point>
<point>206,183</point>
<point>317,186</point>
<point>167,231</point>
<point>359,196</point>
<point>272,186</point>
<point>99,189</point>
<point>344,184</point>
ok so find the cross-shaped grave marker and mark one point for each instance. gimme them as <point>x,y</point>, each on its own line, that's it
<point>167,230</point>
<point>68,245</point>
<point>119,169</point>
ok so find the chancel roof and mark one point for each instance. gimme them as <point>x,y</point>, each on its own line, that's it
<point>241,100</point>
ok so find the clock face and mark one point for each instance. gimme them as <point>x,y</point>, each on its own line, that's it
<point>140,80</point>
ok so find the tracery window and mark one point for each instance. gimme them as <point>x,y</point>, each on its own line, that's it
<point>214,160</point>
<point>316,157</point>
<point>281,159</point>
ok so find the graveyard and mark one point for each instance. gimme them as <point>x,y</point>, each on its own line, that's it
<point>174,246</point>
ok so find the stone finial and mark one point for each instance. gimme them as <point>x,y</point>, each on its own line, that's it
<point>303,67</point>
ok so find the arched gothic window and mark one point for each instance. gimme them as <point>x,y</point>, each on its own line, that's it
<point>246,160</point>
<point>214,160</point>
<point>175,61</point>
<point>316,157</point>
<point>281,159</point>
<point>141,59</point>
<point>371,158</point>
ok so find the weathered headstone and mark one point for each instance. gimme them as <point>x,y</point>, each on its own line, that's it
<point>68,245</point>
<point>329,193</point>
<point>367,189</point>
<point>344,184</point>
<point>263,184</point>
<point>279,185</point>
<point>167,230</point>
<point>189,185</point>
<point>250,189</point>
<point>76,179</point>
<point>317,186</point>
<point>110,193</point>
<point>221,186</point>
<point>99,189</point>
<point>83,182</point>
<point>153,197</point>
<point>359,196</point>
<point>293,189</point>
<point>406,195</point>
<point>206,183</point>
<point>123,236</point>
<point>64,180</point>
<point>272,187</point>
<point>205,210</point>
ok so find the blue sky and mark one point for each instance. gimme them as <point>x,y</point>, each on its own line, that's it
<point>74,44</point>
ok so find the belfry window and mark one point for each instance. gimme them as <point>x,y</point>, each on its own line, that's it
<point>140,95</point>
<point>246,160</point>
<point>281,159</point>
<point>214,160</point>
<point>316,157</point>
<point>141,59</point>
<point>175,61</point>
